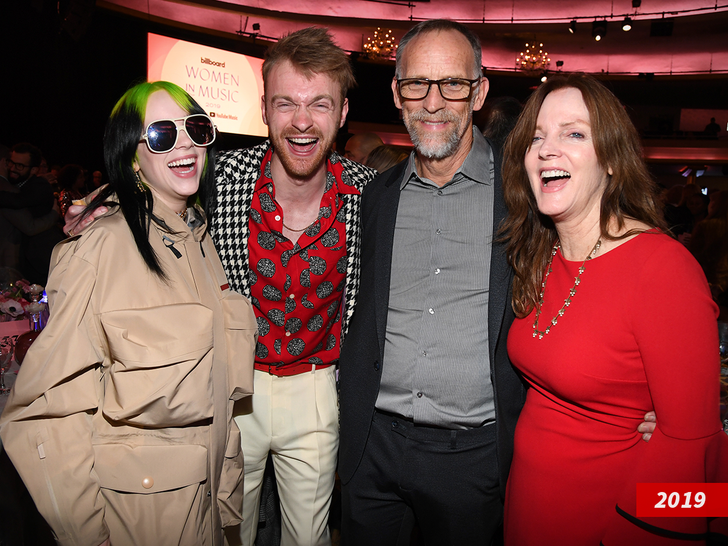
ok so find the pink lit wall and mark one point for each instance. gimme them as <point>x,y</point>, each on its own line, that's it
<point>696,120</point>
<point>698,44</point>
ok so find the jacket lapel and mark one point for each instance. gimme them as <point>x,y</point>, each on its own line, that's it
<point>500,273</point>
<point>383,234</point>
<point>236,173</point>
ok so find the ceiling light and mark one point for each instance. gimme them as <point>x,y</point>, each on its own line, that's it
<point>627,24</point>
<point>544,77</point>
<point>599,29</point>
<point>533,59</point>
<point>572,26</point>
<point>381,45</point>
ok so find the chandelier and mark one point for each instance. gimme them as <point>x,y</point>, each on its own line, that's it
<point>533,59</point>
<point>381,45</point>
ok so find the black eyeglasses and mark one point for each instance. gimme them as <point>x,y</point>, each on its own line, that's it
<point>12,164</point>
<point>161,135</point>
<point>453,89</point>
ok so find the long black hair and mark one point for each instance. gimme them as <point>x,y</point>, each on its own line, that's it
<point>121,139</point>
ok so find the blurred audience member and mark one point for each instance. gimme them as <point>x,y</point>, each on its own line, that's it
<point>43,167</point>
<point>384,157</point>
<point>359,146</point>
<point>4,152</point>
<point>72,182</point>
<point>712,129</point>
<point>678,218</point>
<point>97,180</point>
<point>14,223</point>
<point>51,175</point>
<point>709,245</point>
<point>36,196</point>
<point>697,204</point>
<point>500,115</point>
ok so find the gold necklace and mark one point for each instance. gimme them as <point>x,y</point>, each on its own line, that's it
<point>572,292</point>
<point>299,230</point>
<point>182,213</point>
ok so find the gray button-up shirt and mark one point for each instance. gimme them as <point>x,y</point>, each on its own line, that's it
<point>436,367</point>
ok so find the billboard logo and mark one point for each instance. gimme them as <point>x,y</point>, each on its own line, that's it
<point>205,60</point>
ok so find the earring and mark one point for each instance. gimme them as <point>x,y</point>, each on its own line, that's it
<point>139,183</point>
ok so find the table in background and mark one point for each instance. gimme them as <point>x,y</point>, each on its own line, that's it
<point>7,330</point>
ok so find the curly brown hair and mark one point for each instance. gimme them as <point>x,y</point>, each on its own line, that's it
<point>630,191</point>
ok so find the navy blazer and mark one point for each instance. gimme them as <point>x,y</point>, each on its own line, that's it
<point>363,348</point>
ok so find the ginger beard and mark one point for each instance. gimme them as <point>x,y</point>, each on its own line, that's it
<point>285,145</point>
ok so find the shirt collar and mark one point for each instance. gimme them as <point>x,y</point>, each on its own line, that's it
<point>477,165</point>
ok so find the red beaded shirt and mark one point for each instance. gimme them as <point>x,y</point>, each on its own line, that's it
<point>296,289</point>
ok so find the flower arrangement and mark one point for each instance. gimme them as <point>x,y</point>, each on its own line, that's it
<point>14,299</point>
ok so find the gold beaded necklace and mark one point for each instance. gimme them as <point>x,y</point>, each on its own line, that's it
<point>572,292</point>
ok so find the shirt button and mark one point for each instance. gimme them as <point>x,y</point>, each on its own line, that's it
<point>148,482</point>
<point>438,231</point>
<point>288,334</point>
<point>439,192</point>
<point>419,395</point>
<point>424,353</point>
<point>437,271</point>
<point>291,296</point>
<point>431,311</point>
<point>277,217</point>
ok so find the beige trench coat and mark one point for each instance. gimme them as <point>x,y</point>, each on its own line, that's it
<point>120,421</point>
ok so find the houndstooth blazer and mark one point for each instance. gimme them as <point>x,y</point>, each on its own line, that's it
<point>236,173</point>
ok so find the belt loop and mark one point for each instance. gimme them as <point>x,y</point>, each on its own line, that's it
<point>313,367</point>
<point>453,439</point>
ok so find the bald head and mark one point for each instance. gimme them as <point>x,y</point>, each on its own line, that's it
<point>358,147</point>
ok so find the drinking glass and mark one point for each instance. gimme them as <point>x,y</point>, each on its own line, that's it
<point>6,358</point>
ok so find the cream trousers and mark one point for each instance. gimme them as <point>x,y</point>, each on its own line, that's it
<point>295,418</point>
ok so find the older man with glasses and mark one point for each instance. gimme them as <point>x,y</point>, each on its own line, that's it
<point>429,399</point>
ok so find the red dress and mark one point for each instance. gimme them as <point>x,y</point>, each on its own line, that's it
<point>640,334</point>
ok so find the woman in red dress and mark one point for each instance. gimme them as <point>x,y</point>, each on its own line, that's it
<point>615,320</point>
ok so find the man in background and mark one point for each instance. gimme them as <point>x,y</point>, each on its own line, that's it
<point>359,146</point>
<point>27,206</point>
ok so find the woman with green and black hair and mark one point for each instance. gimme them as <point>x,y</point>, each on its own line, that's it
<point>120,421</point>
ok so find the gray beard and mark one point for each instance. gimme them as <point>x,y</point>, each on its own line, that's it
<point>440,149</point>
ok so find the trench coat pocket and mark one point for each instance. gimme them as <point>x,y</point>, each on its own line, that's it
<point>149,469</point>
<point>161,369</point>
<point>241,333</point>
<point>230,493</point>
